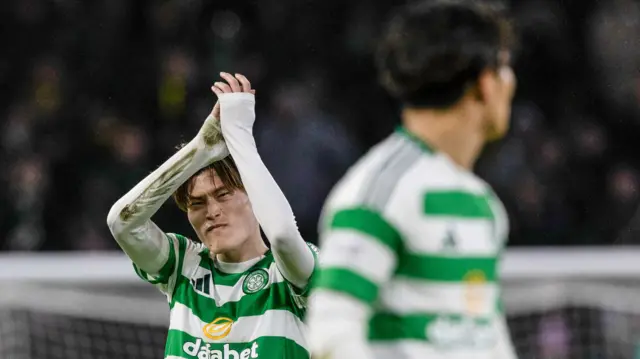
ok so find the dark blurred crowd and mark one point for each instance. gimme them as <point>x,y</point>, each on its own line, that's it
<point>96,94</point>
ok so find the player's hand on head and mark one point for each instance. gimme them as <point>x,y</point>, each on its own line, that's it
<point>233,84</point>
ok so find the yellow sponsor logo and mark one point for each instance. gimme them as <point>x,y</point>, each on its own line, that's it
<point>475,291</point>
<point>218,329</point>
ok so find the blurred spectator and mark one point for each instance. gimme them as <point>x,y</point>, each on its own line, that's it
<point>27,184</point>
<point>305,150</point>
<point>615,48</point>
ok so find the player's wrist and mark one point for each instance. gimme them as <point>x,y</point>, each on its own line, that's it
<point>210,133</point>
<point>237,97</point>
<point>237,110</point>
<point>209,141</point>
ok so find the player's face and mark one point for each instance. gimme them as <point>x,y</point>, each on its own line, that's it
<point>223,219</point>
<point>499,100</point>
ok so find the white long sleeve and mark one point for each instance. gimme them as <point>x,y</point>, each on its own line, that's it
<point>129,219</point>
<point>293,257</point>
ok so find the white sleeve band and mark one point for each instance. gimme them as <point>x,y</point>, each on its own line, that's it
<point>292,255</point>
<point>129,219</point>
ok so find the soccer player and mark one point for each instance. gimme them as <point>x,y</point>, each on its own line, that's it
<point>410,237</point>
<point>230,296</point>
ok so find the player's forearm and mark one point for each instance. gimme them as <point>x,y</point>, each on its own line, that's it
<point>337,327</point>
<point>270,206</point>
<point>129,218</point>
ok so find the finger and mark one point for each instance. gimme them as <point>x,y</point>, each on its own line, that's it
<point>217,91</point>
<point>253,92</point>
<point>235,86</point>
<point>223,87</point>
<point>246,85</point>
<point>216,111</point>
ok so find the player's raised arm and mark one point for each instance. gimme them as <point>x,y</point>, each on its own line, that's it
<point>359,256</point>
<point>129,219</point>
<point>293,257</point>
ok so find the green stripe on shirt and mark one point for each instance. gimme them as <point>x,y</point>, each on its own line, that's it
<point>368,222</point>
<point>431,327</point>
<point>347,281</point>
<point>277,296</point>
<point>447,269</point>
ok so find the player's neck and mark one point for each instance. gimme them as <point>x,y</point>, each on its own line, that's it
<point>252,248</point>
<point>448,131</point>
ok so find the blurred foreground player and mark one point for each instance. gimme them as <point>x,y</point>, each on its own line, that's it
<point>410,237</point>
<point>230,296</point>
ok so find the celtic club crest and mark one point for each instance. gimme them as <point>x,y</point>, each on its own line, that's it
<point>255,281</point>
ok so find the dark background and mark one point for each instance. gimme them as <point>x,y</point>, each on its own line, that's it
<point>96,94</point>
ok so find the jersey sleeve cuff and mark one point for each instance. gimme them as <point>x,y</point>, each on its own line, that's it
<point>165,272</point>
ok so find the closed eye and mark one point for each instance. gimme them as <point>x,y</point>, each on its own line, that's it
<point>223,195</point>
<point>194,202</point>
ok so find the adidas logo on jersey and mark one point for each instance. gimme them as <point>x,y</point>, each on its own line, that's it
<point>202,284</point>
<point>197,350</point>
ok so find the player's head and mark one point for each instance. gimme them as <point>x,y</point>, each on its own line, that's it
<point>218,208</point>
<point>440,54</point>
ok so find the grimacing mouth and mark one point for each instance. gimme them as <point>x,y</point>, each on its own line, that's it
<point>210,228</point>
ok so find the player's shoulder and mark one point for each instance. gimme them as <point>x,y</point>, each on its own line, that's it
<point>186,245</point>
<point>179,238</point>
<point>395,175</point>
<point>396,164</point>
<point>433,170</point>
<point>436,176</point>
<point>190,254</point>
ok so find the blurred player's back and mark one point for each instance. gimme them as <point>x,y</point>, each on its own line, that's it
<point>440,229</point>
<point>410,237</point>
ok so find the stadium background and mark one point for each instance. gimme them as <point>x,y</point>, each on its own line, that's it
<point>95,94</point>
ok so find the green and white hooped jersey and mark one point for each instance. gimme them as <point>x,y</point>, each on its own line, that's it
<point>417,239</point>
<point>216,315</point>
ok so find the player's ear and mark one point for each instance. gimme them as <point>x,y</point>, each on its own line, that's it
<point>508,78</point>
<point>486,85</point>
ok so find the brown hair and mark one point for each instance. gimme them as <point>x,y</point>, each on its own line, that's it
<point>225,169</point>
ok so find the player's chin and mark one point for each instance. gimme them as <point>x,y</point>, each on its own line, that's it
<point>220,240</point>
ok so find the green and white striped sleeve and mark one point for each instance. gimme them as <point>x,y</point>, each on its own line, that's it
<point>359,251</point>
<point>167,270</point>
<point>165,279</point>
<point>181,250</point>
